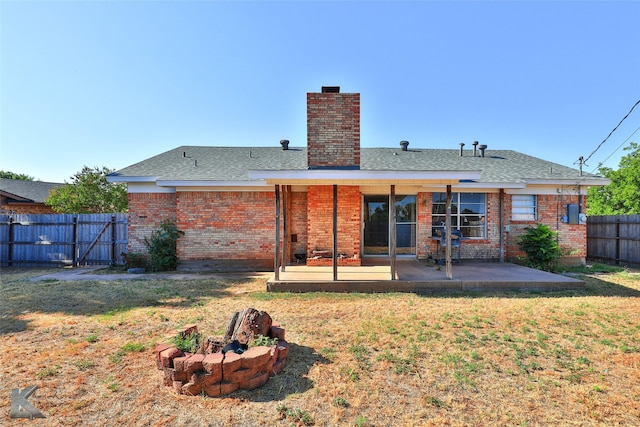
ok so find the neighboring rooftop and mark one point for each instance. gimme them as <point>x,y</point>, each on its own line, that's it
<point>16,190</point>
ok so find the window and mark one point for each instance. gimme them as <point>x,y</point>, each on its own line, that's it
<point>468,213</point>
<point>523,207</point>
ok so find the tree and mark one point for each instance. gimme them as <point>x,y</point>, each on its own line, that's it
<point>622,196</point>
<point>13,175</point>
<point>89,192</point>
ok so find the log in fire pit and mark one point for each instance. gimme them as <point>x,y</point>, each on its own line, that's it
<point>252,350</point>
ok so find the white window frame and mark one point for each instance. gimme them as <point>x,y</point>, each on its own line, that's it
<point>524,207</point>
<point>474,225</point>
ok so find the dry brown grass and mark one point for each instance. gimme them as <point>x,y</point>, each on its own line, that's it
<point>569,358</point>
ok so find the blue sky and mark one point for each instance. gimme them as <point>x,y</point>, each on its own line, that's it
<point>102,83</point>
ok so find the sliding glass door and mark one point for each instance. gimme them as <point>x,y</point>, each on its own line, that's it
<point>376,225</point>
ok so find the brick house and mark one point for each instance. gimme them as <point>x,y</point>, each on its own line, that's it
<point>225,199</point>
<point>25,197</point>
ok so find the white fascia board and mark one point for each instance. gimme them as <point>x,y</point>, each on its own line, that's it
<point>538,191</point>
<point>148,187</point>
<point>490,185</point>
<point>361,175</point>
<point>589,182</point>
<point>253,183</point>
<point>234,189</point>
<point>126,179</point>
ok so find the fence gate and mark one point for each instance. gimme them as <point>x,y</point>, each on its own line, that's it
<point>63,239</point>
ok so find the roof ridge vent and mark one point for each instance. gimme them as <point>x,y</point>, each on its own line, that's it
<point>404,145</point>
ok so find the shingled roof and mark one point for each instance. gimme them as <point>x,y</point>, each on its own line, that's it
<point>18,190</point>
<point>225,164</point>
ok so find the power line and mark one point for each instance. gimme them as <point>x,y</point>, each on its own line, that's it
<point>619,146</point>
<point>605,140</point>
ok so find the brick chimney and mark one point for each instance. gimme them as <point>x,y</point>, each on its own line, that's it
<point>333,129</point>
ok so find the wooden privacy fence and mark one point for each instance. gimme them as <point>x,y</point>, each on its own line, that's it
<point>614,238</point>
<point>62,239</point>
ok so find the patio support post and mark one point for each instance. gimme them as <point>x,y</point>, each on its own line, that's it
<point>392,230</point>
<point>448,267</point>
<point>335,232</point>
<point>285,227</point>
<point>501,210</point>
<point>276,267</point>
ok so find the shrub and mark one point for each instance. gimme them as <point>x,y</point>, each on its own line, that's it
<point>162,247</point>
<point>541,247</point>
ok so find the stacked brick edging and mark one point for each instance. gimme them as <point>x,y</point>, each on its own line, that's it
<point>217,374</point>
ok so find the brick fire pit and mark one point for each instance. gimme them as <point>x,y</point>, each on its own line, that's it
<point>218,373</point>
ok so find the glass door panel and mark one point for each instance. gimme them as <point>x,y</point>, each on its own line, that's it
<point>405,225</point>
<point>376,225</point>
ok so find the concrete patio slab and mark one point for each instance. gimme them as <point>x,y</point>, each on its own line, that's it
<point>415,276</point>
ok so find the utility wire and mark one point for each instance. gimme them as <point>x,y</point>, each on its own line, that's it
<point>614,129</point>
<point>619,146</point>
<point>600,164</point>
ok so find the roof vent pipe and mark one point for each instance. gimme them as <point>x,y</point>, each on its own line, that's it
<point>285,144</point>
<point>404,145</point>
<point>482,148</point>
<point>475,145</point>
<point>461,148</point>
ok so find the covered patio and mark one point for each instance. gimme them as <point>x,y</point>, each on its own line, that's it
<point>411,275</point>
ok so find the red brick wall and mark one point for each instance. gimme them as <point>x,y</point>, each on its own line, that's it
<point>18,208</point>
<point>333,129</point>
<point>488,248</point>
<point>240,225</point>
<point>320,219</point>
<point>551,208</point>
<point>298,223</point>
<point>485,249</point>
<point>226,225</point>
<point>146,213</point>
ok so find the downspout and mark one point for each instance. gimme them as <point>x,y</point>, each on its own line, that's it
<point>448,267</point>
<point>501,225</point>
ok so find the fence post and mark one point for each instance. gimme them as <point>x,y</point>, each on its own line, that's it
<point>74,244</point>
<point>10,243</point>
<point>618,240</point>
<point>113,240</point>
